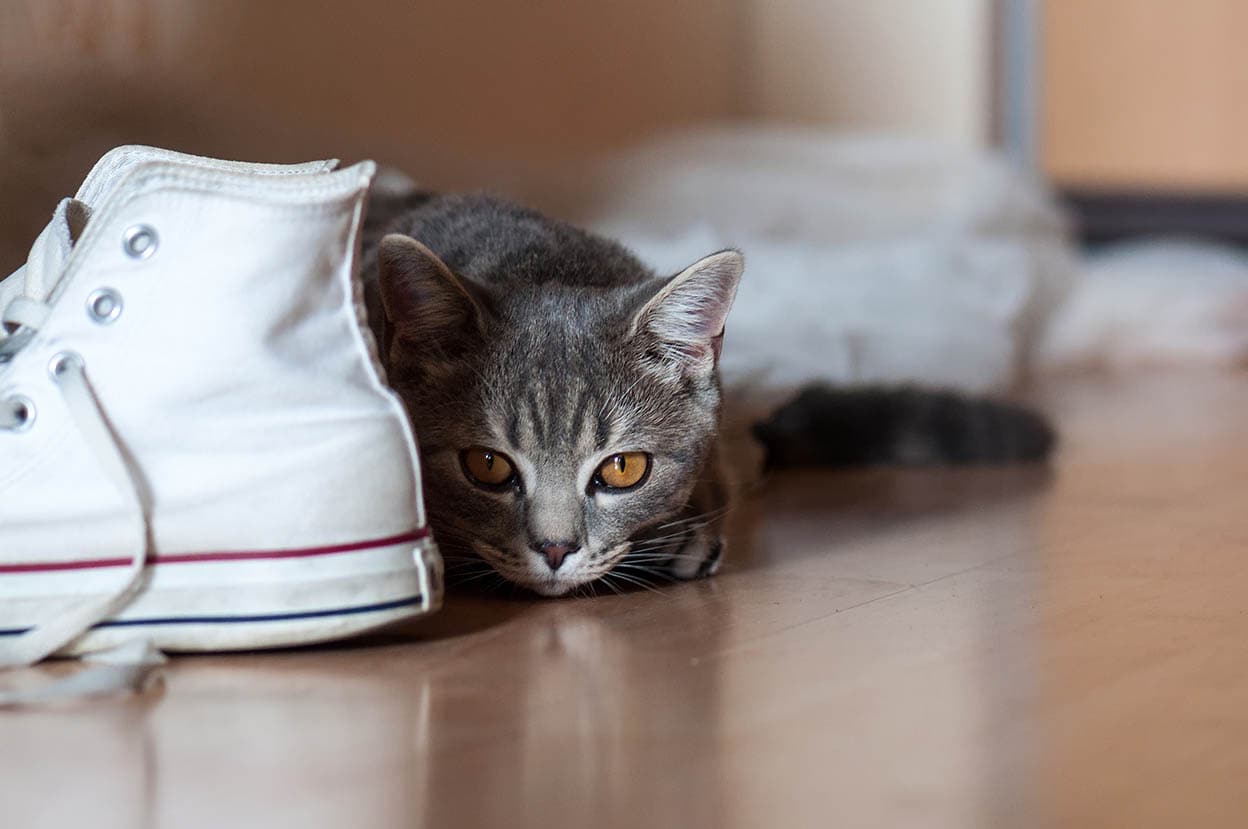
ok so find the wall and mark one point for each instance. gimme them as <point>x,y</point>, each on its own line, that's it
<point>1145,94</point>
<point>911,66</point>
<point>455,91</point>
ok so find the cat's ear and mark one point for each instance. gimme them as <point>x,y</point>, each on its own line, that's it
<point>420,295</point>
<point>685,319</point>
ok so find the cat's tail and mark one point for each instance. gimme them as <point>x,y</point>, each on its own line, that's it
<point>904,426</point>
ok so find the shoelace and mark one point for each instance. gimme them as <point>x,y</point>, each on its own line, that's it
<point>130,665</point>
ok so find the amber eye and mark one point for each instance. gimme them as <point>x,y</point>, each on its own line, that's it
<point>623,471</point>
<point>485,466</point>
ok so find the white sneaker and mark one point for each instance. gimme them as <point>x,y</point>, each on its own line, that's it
<point>196,445</point>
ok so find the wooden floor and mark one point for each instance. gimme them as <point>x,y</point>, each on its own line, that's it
<point>883,649</point>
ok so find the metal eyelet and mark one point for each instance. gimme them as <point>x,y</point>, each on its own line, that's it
<point>140,241</point>
<point>104,306</point>
<point>24,410</point>
<point>64,361</point>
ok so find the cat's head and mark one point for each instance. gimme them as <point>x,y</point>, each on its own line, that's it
<point>562,422</point>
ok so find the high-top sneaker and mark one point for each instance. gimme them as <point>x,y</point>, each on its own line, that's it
<point>197,448</point>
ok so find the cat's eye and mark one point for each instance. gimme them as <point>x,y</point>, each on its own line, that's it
<point>623,471</point>
<point>487,467</point>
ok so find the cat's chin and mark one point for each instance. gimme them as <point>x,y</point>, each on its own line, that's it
<point>551,589</point>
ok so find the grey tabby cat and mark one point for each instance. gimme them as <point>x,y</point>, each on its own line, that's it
<point>565,396</point>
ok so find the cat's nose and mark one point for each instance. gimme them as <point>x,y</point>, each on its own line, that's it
<point>556,551</point>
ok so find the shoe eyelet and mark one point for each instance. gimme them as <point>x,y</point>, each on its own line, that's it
<point>140,241</point>
<point>104,306</point>
<point>24,411</point>
<point>62,362</point>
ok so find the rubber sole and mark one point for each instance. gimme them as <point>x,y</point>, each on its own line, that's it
<point>233,601</point>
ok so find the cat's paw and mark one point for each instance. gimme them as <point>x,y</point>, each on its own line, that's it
<point>699,558</point>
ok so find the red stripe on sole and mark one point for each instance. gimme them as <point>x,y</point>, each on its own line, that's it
<point>233,555</point>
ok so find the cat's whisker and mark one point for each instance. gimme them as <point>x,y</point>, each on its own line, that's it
<point>467,577</point>
<point>674,539</point>
<point>464,562</point>
<point>637,577</point>
<point>646,571</point>
<point>605,578</point>
<point>476,577</point>
<point>461,561</point>
<point>709,515</point>
<point>656,562</point>
<point>655,554</point>
<point>673,543</point>
<point>639,582</point>
<point>643,556</point>
<point>659,552</point>
<point>678,533</point>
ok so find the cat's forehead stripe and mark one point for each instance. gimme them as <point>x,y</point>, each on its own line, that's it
<point>578,415</point>
<point>564,418</point>
<point>537,423</point>
<point>602,431</point>
<point>513,428</point>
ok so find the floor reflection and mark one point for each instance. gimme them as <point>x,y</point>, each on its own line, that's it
<point>594,713</point>
<point>59,764</point>
<point>599,712</point>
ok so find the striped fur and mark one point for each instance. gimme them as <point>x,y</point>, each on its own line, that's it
<point>558,348</point>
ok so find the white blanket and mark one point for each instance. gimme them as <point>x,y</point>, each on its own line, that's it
<point>867,260</point>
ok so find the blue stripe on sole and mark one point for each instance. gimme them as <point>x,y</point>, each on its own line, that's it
<point>408,601</point>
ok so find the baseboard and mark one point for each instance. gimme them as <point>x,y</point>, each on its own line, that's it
<point>1102,216</point>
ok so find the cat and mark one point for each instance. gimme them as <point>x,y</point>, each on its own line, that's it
<point>567,398</point>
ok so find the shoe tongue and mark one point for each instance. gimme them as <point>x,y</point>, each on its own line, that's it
<point>44,266</point>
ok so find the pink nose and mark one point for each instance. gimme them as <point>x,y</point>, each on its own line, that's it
<point>556,551</point>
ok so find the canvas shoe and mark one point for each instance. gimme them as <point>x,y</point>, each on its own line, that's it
<point>197,448</point>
